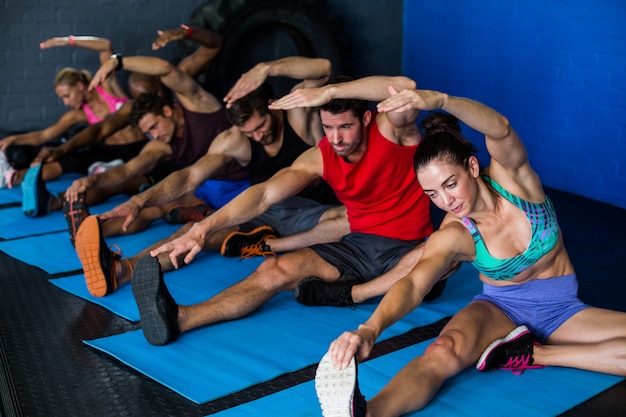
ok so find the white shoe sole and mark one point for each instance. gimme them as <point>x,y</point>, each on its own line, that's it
<point>335,388</point>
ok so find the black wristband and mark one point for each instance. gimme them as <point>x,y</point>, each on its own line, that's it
<point>120,63</point>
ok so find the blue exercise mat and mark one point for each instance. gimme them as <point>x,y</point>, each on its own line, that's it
<point>283,336</point>
<point>122,303</point>
<point>536,393</point>
<point>55,254</point>
<point>14,195</point>
<point>11,195</point>
<point>14,224</point>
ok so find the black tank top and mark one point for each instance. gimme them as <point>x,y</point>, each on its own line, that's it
<point>262,166</point>
<point>199,132</point>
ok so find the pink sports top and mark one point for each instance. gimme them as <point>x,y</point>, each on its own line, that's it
<point>113,102</point>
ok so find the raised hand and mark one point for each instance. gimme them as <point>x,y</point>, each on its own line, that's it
<point>411,99</point>
<point>302,97</point>
<point>247,83</point>
<point>167,36</point>
<point>102,74</point>
<point>55,42</point>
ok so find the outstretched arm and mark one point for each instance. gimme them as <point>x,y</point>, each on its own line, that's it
<point>398,127</point>
<point>210,43</point>
<point>187,90</point>
<point>170,188</point>
<point>504,145</point>
<point>374,88</point>
<point>89,135</point>
<point>39,137</point>
<point>178,183</point>
<point>143,163</point>
<point>246,206</point>
<point>93,43</point>
<point>449,244</point>
<point>101,45</point>
<point>312,71</point>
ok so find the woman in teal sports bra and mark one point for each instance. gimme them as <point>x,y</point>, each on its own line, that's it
<point>500,220</point>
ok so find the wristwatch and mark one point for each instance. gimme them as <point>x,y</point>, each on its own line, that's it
<point>118,58</point>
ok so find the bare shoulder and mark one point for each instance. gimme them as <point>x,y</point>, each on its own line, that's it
<point>524,182</point>
<point>310,161</point>
<point>232,143</point>
<point>453,238</point>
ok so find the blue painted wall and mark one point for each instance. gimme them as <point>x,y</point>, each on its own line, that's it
<point>555,68</point>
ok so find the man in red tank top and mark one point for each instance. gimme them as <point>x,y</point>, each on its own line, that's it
<point>367,159</point>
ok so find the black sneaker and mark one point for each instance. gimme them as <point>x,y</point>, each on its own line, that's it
<point>314,291</point>
<point>157,309</point>
<point>36,198</point>
<point>75,213</point>
<point>511,353</point>
<point>338,390</point>
<point>186,214</point>
<point>248,244</point>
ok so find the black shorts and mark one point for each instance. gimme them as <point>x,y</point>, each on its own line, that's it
<point>294,215</point>
<point>363,255</point>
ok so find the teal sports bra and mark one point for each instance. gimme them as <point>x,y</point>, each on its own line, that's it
<point>544,235</point>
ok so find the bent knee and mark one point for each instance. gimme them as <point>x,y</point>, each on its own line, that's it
<point>450,350</point>
<point>274,274</point>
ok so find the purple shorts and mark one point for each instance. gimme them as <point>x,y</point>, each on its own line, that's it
<point>543,305</point>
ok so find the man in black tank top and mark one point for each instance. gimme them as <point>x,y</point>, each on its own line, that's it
<point>263,142</point>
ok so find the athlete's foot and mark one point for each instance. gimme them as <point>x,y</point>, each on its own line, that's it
<point>249,244</point>
<point>158,311</point>
<point>100,264</point>
<point>75,213</point>
<point>36,199</point>
<point>338,390</point>
<point>185,214</point>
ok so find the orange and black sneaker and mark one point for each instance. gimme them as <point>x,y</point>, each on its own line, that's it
<point>185,214</point>
<point>249,244</point>
<point>75,213</point>
<point>97,259</point>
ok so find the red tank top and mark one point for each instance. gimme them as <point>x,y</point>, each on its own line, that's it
<point>380,191</point>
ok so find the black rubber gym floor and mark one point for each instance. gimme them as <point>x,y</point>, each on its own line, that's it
<point>45,369</point>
